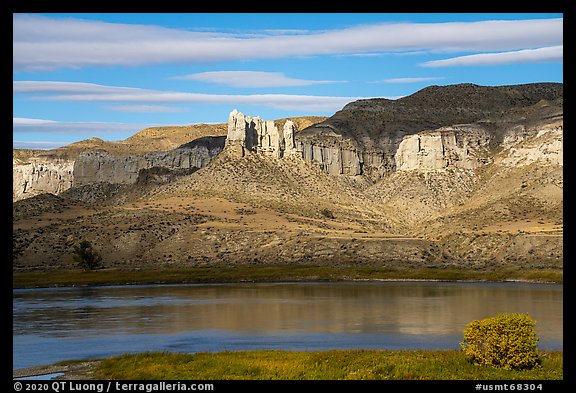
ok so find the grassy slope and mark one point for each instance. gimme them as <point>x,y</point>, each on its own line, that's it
<point>269,273</point>
<point>325,365</point>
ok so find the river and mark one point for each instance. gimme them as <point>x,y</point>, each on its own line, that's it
<point>56,324</point>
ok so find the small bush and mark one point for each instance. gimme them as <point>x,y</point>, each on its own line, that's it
<point>242,211</point>
<point>327,213</point>
<point>86,256</point>
<point>505,341</point>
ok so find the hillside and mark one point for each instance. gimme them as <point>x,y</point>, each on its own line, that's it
<point>377,126</point>
<point>376,122</point>
<point>461,176</point>
<point>151,139</point>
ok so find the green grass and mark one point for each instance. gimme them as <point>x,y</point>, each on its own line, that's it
<point>271,273</point>
<point>326,365</point>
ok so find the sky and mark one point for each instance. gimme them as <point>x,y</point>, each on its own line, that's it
<point>77,76</point>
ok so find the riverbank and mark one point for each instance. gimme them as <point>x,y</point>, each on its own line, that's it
<point>76,370</point>
<point>309,365</point>
<point>271,273</point>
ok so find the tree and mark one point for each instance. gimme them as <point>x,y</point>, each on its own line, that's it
<point>86,256</point>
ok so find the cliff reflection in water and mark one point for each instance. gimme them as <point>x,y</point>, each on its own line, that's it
<point>370,307</point>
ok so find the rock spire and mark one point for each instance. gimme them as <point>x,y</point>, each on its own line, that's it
<point>252,134</point>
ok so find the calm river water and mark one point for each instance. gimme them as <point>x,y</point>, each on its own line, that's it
<point>51,325</point>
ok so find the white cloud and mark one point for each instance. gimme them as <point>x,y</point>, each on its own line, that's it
<point>145,109</point>
<point>45,43</point>
<point>25,125</point>
<point>102,93</point>
<point>24,121</point>
<point>411,80</point>
<point>37,145</point>
<point>547,54</point>
<point>251,79</point>
<point>53,87</point>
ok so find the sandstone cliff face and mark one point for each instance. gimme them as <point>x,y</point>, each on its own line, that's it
<point>546,147</point>
<point>252,134</point>
<point>99,166</point>
<point>460,146</point>
<point>458,126</point>
<point>464,146</point>
<point>335,160</point>
<point>437,128</point>
<point>39,175</point>
<point>95,165</point>
<point>332,153</point>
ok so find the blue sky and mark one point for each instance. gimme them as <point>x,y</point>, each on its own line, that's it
<point>77,76</point>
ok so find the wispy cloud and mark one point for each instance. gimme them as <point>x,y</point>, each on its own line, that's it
<point>57,87</point>
<point>24,121</point>
<point>25,125</point>
<point>400,53</point>
<point>145,109</point>
<point>251,79</point>
<point>547,54</point>
<point>46,43</point>
<point>410,80</point>
<point>87,92</point>
<point>37,145</point>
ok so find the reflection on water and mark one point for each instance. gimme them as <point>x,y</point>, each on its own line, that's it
<point>98,321</point>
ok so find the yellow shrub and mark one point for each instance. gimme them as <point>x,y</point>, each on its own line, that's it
<point>506,341</point>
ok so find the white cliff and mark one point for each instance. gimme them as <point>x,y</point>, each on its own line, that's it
<point>289,142</point>
<point>336,159</point>
<point>467,147</point>
<point>248,134</point>
<point>236,138</point>
<point>39,175</point>
<point>546,147</point>
<point>52,174</point>
<point>463,146</point>
<point>95,166</point>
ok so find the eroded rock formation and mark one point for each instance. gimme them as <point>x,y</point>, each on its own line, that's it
<point>465,147</point>
<point>459,126</point>
<point>545,147</point>
<point>252,134</point>
<point>95,166</point>
<point>41,174</point>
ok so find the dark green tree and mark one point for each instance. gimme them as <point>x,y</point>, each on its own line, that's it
<point>86,256</point>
